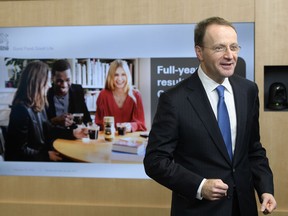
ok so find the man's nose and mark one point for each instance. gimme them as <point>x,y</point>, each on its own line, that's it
<point>228,53</point>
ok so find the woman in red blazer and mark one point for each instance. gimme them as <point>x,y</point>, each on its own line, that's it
<point>120,100</point>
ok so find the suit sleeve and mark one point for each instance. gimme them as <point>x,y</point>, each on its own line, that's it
<point>262,174</point>
<point>87,117</point>
<point>163,140</point>
<point>80,99</point>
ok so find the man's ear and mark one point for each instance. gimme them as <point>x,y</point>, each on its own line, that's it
<point>199,52</point>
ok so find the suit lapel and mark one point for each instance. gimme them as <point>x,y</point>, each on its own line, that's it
<point>197,93</point>
<point>241,113</point>
<point>71,107</point>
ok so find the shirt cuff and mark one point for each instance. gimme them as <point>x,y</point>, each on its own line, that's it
<point>199,195</point>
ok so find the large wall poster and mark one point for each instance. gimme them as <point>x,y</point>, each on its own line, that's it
<point>159,46</point>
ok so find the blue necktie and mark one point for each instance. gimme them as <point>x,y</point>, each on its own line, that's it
<point>223,120</point>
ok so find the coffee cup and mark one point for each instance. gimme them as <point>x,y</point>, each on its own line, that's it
<point>93,132</point>
<point>78,118</point>
<point>121,129</point>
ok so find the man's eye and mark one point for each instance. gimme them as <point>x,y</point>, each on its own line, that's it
<point>234,48</point>
<point>219,48</point>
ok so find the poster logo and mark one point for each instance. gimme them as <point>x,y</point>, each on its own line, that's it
<point>4,42</point>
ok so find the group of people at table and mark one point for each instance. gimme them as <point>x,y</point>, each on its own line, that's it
<point>41,112</point>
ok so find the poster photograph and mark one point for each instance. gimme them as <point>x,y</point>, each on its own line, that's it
<point>159,57</point>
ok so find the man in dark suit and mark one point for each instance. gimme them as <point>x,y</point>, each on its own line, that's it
<point>65,98</point>
<point>186,150</point>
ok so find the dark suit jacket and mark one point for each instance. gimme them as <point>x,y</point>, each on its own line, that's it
<point>185,145</point>
<point>76,102</point>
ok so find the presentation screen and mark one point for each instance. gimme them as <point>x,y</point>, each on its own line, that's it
<point>159,56</point>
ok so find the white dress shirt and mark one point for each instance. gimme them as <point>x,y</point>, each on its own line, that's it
<point>210,89</point>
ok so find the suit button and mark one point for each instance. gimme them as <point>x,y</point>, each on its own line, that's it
<point>234,170</point>
<point>228,196</point>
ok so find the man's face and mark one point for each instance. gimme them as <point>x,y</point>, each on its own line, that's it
<point>62,82</point>
<point>218,64</point>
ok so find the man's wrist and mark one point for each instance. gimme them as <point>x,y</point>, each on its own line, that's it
<point>199,191</point>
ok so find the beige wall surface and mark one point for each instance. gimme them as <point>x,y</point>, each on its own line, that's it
<point>271,49</point>
<point>84,196</point>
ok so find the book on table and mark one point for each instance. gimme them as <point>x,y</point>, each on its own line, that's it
<point>122,156</point>
<point>130,145</point>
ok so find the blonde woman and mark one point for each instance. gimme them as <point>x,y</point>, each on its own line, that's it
<point>120,100</point>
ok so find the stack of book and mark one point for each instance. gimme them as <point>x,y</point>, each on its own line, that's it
<point>129,149</point>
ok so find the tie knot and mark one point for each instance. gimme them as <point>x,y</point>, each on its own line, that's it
<point>220,89</point>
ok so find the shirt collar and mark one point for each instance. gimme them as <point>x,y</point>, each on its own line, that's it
<point>209,84</point>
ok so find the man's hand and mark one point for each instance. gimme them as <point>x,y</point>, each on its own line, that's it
<point>214,189</point>
<point>268,203</point>
<point>80,132</point>
<point>63,120</point>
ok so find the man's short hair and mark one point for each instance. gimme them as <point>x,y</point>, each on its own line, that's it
<point>60,65</point>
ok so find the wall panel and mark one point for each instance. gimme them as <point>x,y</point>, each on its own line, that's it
<point>97,12</point>
<point>271,49</point>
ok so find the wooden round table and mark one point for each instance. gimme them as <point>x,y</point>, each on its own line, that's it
<point>96,151</point>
